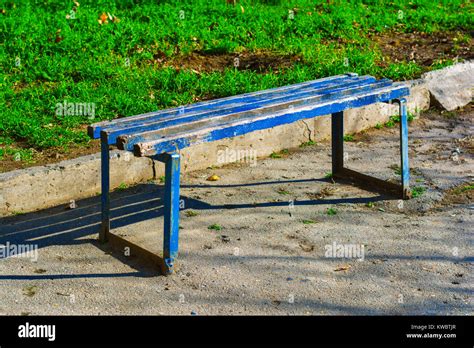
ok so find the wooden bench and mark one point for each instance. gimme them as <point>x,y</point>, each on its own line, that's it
<point>163,133</point>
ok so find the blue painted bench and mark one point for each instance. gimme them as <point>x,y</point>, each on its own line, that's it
<point>163,133</point>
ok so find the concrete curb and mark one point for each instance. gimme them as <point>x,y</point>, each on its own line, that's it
<point>42,187</point>
<point>46,186</point>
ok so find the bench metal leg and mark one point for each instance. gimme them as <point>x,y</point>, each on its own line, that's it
<point>404,165</point>
<point>105,182</point>
<point>337,136</point>
<point>366,181</point>
<point>171,210</point>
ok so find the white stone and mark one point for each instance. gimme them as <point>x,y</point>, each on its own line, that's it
<point>452,87</point>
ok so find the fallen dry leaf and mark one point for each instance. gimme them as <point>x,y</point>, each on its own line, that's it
<point>213,178</point>
<point>103,19</point>
<point>30,291</point>
<point>342,268</point>
<point>307,247</point>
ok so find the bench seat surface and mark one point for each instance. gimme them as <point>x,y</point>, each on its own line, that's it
<point>172,129</point>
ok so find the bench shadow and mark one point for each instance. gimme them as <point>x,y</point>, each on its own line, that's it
<point>62,226</point>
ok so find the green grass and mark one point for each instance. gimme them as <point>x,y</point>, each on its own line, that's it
<point>17,154</point>
<point>348,137</point>
<point>47,59</point>
<point>191,213</point>
<point>396,119</point>
<point>282,191</point>
<point>308,143</point>
<point>122,186</point>
<point>331,211</point>
<point>462,189</point>
<point>449,115</point>
<point>280,154</point>
<point>396,169</point>
<point>215,227</point>
<point>417,191</point>
<point>467,188</point>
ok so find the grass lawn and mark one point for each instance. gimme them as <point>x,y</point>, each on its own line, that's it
<point>130,56</point>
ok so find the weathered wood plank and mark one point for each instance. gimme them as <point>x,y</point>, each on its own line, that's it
<point>95,129</point>
<point>157,124</point>
<point>126,140</point>
<point>289,115</point>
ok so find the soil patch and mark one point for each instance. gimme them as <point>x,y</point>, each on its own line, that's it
<point>49,156</point>
<point>261,62</point>
<point>424,48</point>
<point>461,194</point>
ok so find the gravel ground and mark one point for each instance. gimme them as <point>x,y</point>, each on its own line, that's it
<point>274,224</point>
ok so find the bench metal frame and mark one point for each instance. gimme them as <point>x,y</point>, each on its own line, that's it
<point>171,209</point>
<point>366,181</point>
<point>171,159</point>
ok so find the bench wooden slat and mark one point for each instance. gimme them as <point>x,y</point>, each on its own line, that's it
<point>236,128</point>
<point>126,141</point>
<point>158,124</point>
<point>95,129</point>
